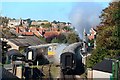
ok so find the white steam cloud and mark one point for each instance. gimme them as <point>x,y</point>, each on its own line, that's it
<point>58,52</point>
<point>85,15</point>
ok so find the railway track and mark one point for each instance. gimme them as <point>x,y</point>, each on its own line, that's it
<point>50,71</point>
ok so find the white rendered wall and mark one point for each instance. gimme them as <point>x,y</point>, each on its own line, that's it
<point>100,74</point>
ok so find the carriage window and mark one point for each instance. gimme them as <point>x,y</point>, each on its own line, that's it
<point>68,60</point>
<point>30,55</point>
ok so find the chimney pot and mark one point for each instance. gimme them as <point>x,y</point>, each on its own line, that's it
<point>17,29</point>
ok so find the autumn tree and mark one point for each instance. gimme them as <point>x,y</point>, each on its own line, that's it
<point>108,37</point>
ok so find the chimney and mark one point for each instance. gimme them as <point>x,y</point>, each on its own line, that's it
<point>17,29</point>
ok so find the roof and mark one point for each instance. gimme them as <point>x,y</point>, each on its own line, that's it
<point>33,29</point>
<point>105,66</point>
<point>91,37</point>
<point>71,48</point>
<point>51,34</point>
<point>44,45</point>
<point>37,33</point>
<point>54,29</point>
<point>13,52</point>
<point>7,75</point>
<point>27,33</point>
<point>26,41</point>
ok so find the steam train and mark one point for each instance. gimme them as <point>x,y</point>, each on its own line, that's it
<point>39,54</point>
<point>36,55</point>
<point>71,60</point>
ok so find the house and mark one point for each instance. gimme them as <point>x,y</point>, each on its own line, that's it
<point>13,23</point>
<point>24,41</point>
<point>102,70</point>
<point>49,34</point>
<point>24,31</point>
<point>38,23</point>
<point>92,34</point>
<point>35,31</point>
<point>54,25</point>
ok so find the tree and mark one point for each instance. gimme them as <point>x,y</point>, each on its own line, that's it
<point>29,21</point>
<point>62,38</point>
<point>59,39</point>
<point>55,40</point>
<point>42,24</point>
<point>45,20</point>
<point>68,28</point>
<point>14,19</point>
<point>72,38</point>
<point>54,22</point>
<point>108,38</point>
<point>39,21</point>
<point>4,21</point>
<point>64,23</point>
<point>47,25</point>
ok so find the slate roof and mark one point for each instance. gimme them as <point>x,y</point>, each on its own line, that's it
<point>13,52</point>
<point>105,66</point>
<point>26,41</point>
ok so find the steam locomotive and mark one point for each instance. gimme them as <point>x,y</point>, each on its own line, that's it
<point>71,60</point>
<point>35,55</point>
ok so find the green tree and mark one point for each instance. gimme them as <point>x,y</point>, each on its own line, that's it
<point>108,37</point>
<point>62,38</point>
<point>4,21</point>
<point>39,21</point>
<point>59,39</point>
<point>47,25</point>
<point>54,22</point>
<point>68,28</point>
<point>72,38</point>
<point>55,40</point>
<point>29,21</point>
<point>45,20</point>
<point>43,39</point>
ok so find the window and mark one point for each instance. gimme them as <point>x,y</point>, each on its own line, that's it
<point>30,55</point>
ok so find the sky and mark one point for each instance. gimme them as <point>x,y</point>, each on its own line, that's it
<point>37,10</point>
<point>59,11</point>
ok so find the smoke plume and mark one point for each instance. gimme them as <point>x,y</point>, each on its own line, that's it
<point>58,52</point>
<point>85,15</point>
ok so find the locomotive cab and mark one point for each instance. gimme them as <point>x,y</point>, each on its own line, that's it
<point>35,55</point>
